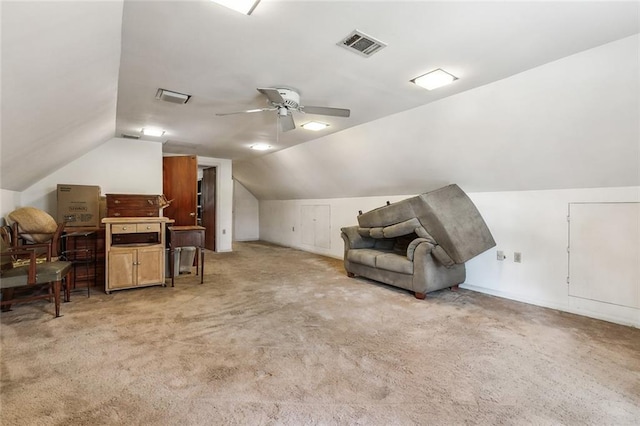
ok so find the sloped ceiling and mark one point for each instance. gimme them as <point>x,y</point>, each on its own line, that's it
<point>65,64</point>
<point>573,123</point>
<point>60,65</point>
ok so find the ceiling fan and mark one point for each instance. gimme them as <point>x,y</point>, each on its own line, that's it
<point>285,101</point>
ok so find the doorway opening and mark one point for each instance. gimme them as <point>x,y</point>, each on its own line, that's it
<point>207,206</point>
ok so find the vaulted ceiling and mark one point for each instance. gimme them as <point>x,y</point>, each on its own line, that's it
<point>75,74</point>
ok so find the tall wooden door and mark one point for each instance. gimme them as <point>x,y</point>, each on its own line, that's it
<point>209,207</point>
<point>180,184</point>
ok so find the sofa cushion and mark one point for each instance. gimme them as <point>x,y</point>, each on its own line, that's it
<point>402,228</point>
<point>363,256</point>
<point>447,215</point>
<point>387,215</point>
<point>382,244</point>
<point>454,222</point>
<point>394,262</point>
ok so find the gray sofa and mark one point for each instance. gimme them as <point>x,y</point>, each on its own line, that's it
<point>419,244</point>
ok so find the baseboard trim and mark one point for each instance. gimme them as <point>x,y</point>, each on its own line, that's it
<point>551,305</point>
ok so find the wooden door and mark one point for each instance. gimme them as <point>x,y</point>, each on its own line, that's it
<point>209,207</point>
<point>180,184</point>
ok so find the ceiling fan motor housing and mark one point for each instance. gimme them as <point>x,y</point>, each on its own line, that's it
<point>291,98</point>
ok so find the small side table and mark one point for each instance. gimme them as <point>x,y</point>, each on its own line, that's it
<point>80,248</point>
<point>186,236</point>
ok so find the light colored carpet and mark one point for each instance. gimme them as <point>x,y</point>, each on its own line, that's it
<point>279,336</point>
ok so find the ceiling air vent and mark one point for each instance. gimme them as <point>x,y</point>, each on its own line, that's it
<point>169,96</point>
<point>361,43</point>
<point>129,136</point>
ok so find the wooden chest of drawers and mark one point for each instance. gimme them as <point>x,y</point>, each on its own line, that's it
<point>133,205</point>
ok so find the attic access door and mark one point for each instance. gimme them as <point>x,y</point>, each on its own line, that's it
<point>316,226</point>
<point>604,252</point>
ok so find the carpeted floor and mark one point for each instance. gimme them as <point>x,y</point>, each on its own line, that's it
<point>279,336</point>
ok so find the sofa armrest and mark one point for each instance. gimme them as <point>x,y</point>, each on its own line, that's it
<point>353,240</point>
<point>411,248</point>
<point>435,250</point>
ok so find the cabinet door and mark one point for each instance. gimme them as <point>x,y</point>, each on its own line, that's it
<point>150,265</point>
<point>121,268</point>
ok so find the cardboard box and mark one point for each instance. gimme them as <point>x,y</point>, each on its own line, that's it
<point>79,205</point>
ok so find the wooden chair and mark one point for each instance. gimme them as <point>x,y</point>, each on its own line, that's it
<point>32,274</point>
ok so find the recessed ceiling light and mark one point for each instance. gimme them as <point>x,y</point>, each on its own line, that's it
<point>261,146</point>
<point>152,131</point>
<point>242,6</point>
<point>434,79</point>
<point>315,126</point>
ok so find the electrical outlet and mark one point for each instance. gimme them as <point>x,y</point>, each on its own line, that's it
<point>500,255</point>
<point>517,257</point>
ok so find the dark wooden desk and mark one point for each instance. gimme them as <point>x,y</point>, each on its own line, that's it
<point>187,236</point>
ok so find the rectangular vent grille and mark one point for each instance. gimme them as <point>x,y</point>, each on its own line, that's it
<point>128,136</point>
<point>361,43</point>
<point>175,97</point>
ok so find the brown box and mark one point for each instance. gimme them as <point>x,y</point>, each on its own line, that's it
<point>78,205</point>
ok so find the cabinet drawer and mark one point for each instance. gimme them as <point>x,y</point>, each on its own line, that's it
<point>148,227</point>
<point>124,228</point>
<point>132,201</point>
<point>125,212</point>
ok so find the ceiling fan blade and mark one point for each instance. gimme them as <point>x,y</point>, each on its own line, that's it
<point>273,95</point>
<point>286,122</point>
<point>335,112</point>
<point>246,112</point>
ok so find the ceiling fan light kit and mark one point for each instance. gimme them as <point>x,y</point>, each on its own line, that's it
<point>434,79</point>
<point>261,146</point>
<point>315,126</point>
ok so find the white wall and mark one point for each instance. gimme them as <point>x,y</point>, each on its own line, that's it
<point>224,200</point>
<point>9,201</point>
<point>133,167</point>
<point>117,166</point>
<point>535,224</point>
<point>246,211</point>
<point>531,222</point>
<point>281,221</point>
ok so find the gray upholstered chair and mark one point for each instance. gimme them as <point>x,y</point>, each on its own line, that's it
<point>419,244</point>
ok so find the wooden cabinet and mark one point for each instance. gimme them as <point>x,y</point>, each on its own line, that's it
<point>133,205</point>
<point>135,249</point>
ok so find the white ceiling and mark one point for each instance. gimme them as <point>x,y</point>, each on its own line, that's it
<point>64,64</point>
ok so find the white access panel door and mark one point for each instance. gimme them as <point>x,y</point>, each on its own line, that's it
<point>604,252</point>
<point>316,225</point>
